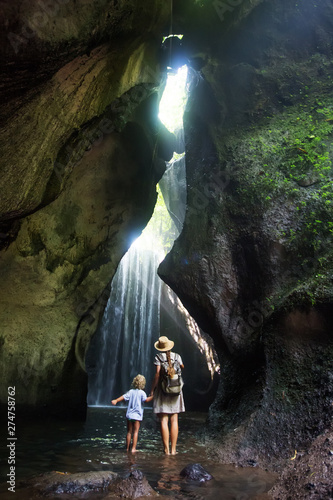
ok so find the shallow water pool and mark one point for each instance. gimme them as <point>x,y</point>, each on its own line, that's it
<point>99,444</point>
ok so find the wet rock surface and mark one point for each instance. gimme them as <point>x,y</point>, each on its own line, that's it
<point>106,484</point>
<point>310,474</point>
<point>135,486</point>
<point>196,472</point>
<point>57,483</point>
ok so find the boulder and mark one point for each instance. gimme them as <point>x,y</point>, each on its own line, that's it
<point>57,483</point>
<point>134,486</point>
<point>196,472</point>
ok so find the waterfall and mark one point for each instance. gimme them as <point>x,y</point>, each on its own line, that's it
<point>123,344</point>
<point>130,318</point>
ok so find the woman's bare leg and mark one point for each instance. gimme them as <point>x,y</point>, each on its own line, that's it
<point>164,420</point>
<point>136,427</point>
<point>174,432</point>
<point>129,434</point>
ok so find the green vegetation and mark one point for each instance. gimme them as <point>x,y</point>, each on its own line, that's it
<point>316,289</point>
<point>290,158</point>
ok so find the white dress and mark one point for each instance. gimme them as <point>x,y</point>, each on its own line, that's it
<point>165,403</point>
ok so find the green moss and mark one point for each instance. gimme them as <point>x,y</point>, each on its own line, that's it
<point>289,158</point>
<point>317,289</point>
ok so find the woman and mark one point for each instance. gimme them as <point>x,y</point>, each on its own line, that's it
<point>165,405</point>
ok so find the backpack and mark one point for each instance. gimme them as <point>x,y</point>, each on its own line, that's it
<point>171,386</point>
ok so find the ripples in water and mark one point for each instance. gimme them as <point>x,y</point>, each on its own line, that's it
<point>99,444</point>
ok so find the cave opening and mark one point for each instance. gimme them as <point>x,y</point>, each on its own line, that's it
<point>141,307</point>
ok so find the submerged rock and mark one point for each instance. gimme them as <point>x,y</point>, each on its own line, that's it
<point>196,472</point>
<point>58,482</point>
<point>134,486</point>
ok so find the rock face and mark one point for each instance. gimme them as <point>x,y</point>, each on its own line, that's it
<point>80,161</point>
<point>253,264</point>
<point>62,68</point>
<point>309,475</point>
<point>57,483</point>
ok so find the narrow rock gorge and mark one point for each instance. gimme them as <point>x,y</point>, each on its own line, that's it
<point>82,150</point>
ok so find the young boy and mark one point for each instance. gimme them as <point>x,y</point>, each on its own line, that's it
<point>134,414</point>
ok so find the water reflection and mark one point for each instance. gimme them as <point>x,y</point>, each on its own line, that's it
<point>99,444</point>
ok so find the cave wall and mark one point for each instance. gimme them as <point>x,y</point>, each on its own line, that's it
<point>79,165</point>
<point>253,264</point>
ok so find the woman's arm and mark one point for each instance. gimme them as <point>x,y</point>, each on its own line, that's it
<point>155,379</point>
<point>115,401</point>
<point>180,361</point>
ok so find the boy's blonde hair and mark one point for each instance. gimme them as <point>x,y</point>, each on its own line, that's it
<point>139,382</point>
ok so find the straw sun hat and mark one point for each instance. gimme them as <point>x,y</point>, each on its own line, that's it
<point>164,344</point>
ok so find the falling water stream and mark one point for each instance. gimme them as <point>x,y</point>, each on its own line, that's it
<point>132,316</point>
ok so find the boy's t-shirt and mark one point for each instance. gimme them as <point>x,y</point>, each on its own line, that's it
<point>135,398</point>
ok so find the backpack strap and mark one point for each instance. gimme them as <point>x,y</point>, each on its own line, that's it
<point>173,359</point>
<point>160,360</point>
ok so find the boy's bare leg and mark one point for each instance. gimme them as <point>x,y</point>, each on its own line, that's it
<point>173,432</point>
<point>129,434</point>
<point>136,427</point>
<point>164,419</point>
